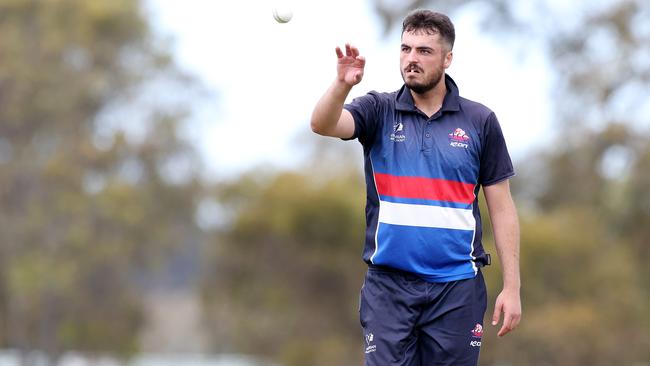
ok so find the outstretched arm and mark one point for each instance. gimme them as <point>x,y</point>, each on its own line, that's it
<point>329,118</point>
<point>505,225</point>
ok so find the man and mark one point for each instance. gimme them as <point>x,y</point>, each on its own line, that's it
<point>427,153</point>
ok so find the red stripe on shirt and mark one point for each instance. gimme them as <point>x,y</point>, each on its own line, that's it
<point>424,188</point>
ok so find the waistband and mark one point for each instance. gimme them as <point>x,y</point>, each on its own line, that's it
<point>484,261</point>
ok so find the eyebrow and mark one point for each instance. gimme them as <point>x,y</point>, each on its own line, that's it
<point>417,48</point>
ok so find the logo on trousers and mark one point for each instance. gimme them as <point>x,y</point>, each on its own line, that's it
<point>477,332</point>
<point>370,347</point>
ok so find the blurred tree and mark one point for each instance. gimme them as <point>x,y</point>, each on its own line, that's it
<point>96,188</point>
<point>287,271</point>
<point>583,297</point>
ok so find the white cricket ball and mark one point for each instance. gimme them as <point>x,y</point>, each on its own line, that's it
<point>282,14</point>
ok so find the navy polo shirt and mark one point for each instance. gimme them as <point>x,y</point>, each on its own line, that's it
<point>423,176</point>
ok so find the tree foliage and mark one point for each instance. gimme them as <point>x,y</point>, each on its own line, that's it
<point>87,205</point>
<point>287,273</point>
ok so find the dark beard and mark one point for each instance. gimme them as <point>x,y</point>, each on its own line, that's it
<point>423,88</point>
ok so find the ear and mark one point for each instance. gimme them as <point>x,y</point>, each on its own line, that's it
<point>448,57</point>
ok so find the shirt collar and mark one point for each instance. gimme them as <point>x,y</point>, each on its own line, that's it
<point>451,102</point>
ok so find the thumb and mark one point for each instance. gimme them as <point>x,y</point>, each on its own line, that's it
<point>361,61</point>
<point>496,316</point>
<point>357,77</point>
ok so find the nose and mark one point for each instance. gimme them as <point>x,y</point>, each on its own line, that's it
<point>411,57</point>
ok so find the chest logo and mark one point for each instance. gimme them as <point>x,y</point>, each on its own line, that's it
<point>398,132</point>
<point>459,138</point>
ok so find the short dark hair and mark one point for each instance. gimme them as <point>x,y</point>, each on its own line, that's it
<point>432,23</point>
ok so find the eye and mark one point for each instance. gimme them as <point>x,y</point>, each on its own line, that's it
<point>425,51</point>
<point>405,48</point>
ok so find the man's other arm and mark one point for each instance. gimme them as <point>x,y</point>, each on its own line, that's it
<point>505,225</point>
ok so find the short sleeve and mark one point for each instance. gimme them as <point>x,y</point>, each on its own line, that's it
<point>364,110</point>
<point>496,164</point>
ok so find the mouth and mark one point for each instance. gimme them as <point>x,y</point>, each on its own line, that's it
<point>412,69</point>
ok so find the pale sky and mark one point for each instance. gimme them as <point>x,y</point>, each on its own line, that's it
<point>268,76</point>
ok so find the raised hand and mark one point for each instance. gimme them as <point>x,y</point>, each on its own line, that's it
<point>350,66</point>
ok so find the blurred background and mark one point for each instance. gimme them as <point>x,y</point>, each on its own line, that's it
<point>163,201</point>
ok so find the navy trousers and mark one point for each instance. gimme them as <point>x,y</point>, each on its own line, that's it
<point>408,321</point>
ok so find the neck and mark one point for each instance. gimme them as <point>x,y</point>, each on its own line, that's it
<point>431,101</point>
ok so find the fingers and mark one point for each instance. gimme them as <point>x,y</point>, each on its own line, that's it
<point>505,329</point>
<point>354,52</point>
<point>510,322</point>
<point>350,51</point>
<point>511,310</point>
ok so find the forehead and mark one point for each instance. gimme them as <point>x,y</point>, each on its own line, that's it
<point>421,39</point>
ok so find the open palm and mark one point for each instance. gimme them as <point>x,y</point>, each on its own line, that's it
<point>350,66</point>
